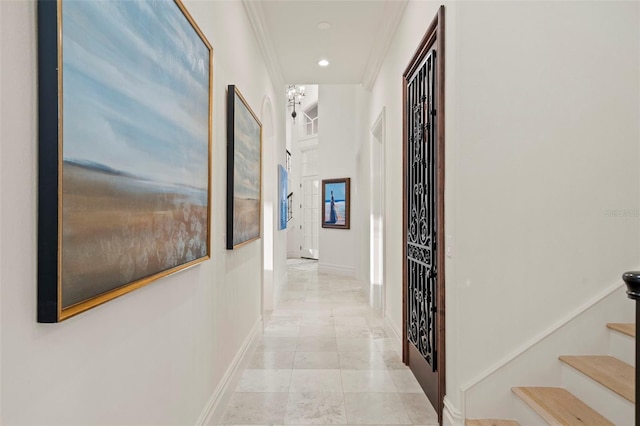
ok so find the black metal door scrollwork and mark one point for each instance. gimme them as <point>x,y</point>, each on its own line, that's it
<point>421,190</point>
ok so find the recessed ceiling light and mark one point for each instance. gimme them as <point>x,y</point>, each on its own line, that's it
<point>323,63</point>
<point>324,25</point>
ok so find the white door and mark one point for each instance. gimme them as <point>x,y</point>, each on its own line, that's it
<point>310,218</point>
<point>310,207</point>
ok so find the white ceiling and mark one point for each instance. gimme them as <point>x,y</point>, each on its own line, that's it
<point>355,45</point>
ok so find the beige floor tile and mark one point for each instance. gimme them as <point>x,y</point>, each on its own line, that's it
<point>350,321</point>
<point>317,331</point>
<point>272,360</point>
<point>393,360</point>
<point>281,331</point>
<point>361,361</point>
<point>284,321</point>
<point>405,381</point>
<point>317,344</point>
<point>316,381</point>
<point>264,380</point>
<point>378,332</point>
<point>367,381</point>
<point>388,344</point>
<point>375,321</point>
<point>317,321</point>
<point>355,344</point>
<point>419,408</point>
<point>351,311</point>
<point>375,409</point>
<point>277,344</point>
<point>355,331</point>
<point>316,360</point>
<point>315,408</point>
<point>321,313</point>
<point>255,408</point>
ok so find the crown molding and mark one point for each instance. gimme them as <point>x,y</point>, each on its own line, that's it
<point>388,27</point>
<point>255,13</point>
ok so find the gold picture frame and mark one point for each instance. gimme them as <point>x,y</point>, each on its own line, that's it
<point>125,107</point>
<point>244,171</point>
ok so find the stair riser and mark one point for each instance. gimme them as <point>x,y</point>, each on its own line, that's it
<point>525,415</point>
<point>622,347</point>
<point>609,404</point>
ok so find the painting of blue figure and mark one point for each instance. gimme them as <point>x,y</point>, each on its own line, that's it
<point>283,190</point>
<point>136,79</point>
<point>335,203</point>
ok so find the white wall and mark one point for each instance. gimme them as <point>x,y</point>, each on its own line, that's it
<point>362,192</point>
<point>542,104</point>
<point>154,356</point>
<point>340,133</point>
<point>547,145</point>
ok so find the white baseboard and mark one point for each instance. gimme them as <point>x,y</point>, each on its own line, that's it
<point>393,330</point>
<point>451,416</point>
<point>336,269</point>
<point>213,411</point>
<point>295,254</point>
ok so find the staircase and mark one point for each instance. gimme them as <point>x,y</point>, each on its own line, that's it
<point>598,390</point>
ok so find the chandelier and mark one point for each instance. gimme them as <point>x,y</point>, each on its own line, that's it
<point>294,96</point>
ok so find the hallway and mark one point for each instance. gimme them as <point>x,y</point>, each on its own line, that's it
<point>325,358</point>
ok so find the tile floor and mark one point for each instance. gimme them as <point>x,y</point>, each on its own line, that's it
<point>325,358</point>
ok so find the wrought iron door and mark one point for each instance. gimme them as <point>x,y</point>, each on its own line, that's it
<point>423,211</point>
<point>421,191</point>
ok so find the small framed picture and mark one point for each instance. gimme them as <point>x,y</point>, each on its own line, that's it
<point>283,178</point>
<point>336,203</point>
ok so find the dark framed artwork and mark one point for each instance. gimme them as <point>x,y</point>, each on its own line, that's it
<point>124,149</point>
<point>290,206</point>
<point>244,171</point>
<point>336,203</point>
<point>288,163</point>
<point>283,190</point>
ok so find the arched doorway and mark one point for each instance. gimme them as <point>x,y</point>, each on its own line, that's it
<point>269,191</point>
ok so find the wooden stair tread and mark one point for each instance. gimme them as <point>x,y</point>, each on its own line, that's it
<point>557,406</point>
<point>628,329</point>
<point>490,422</point>
<point>606,370</point>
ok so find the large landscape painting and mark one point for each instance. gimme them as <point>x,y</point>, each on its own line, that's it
<point>244,169</point>
<point>135,147</point>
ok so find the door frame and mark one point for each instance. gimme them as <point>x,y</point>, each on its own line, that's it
<point>434,36</point>
<point>378,137</point>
